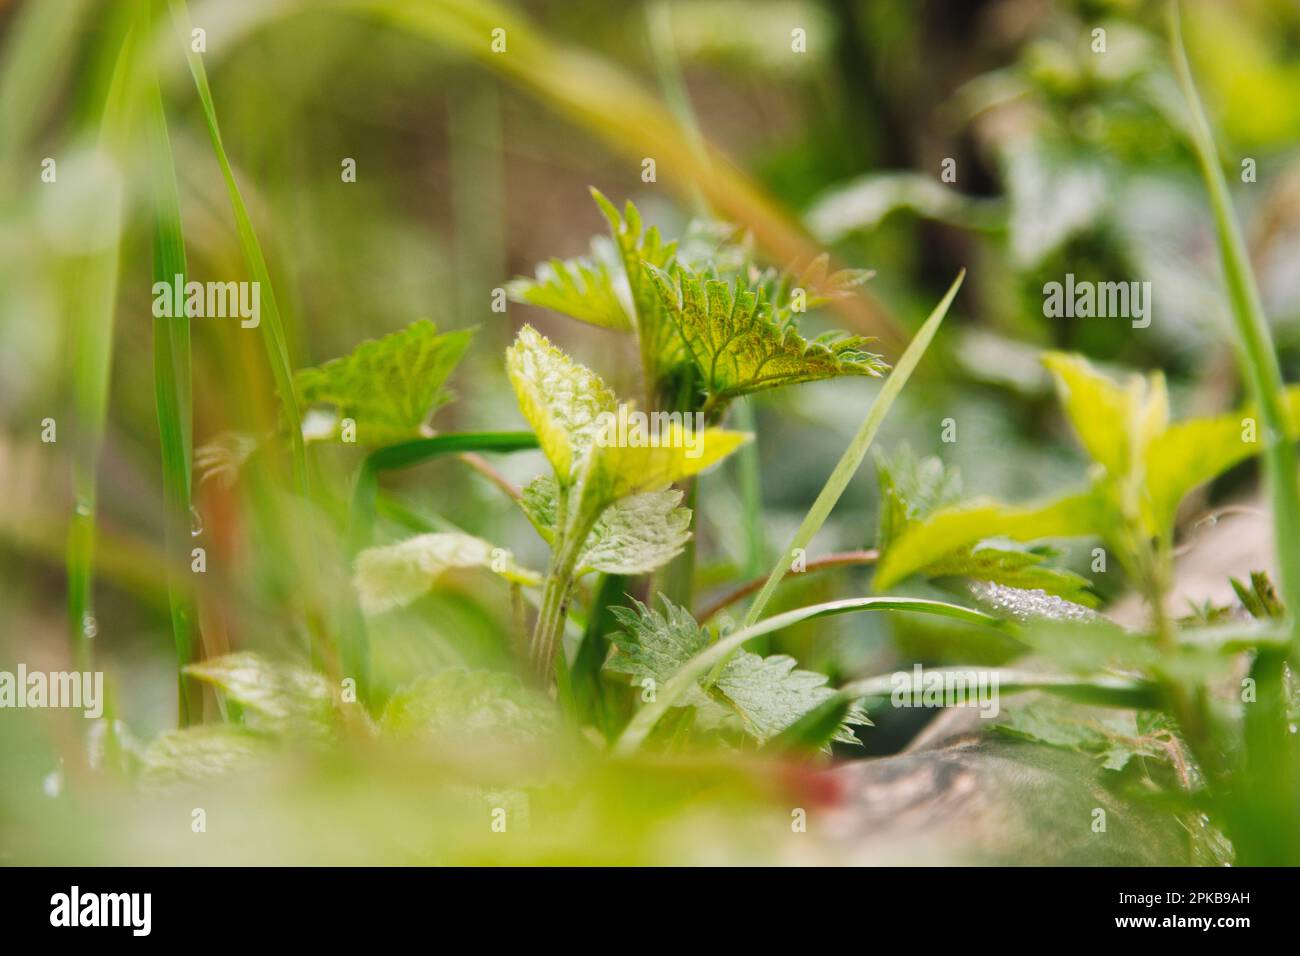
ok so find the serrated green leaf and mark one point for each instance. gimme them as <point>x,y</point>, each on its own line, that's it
<point>766,695</point>
<point>275,696</point>
<point>636,247</point>
<point>770,694</point>
<point>741,344</point>
<point>177,758</point>
<point>581,288</point>
<point>950,529</point>
<point>911,491</point>
<point>633,536</point>
<point>1112,735</point>
<point>560,398</point>
<point>458,706</point>
<point>397,574</point>
<point>615,471</point>
<point>389,386</point>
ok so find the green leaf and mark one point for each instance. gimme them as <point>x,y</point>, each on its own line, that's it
<point>274,696</point>
<point>397,574</point>
<point>911,490</point>
<point>559,398</point>
<point>178,758</point>
<point>1191,452</point>
<point>767,695</point>
<point>770,694</point>
<point>1114,423</point>
<point>633,536</point>
<point>1111,734</point>
<point>638,246</point>
<point>654,646</point>
<point>581,288</point>
<point>389,386</point>
<point>951,529</point>
<point>460,706</point>
<point>742,344</point>
<point>615,471</point>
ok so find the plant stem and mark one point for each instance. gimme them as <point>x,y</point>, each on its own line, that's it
<point>1269,787</point>
<point>839,559</point>
<point>555,598</point>
<point>1254,342</point>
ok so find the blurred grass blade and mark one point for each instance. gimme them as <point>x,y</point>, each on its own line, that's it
<point>272,325</point>
<point>639,727</point>
<point>172,395</point>
<point>857,450</point>
<point>94,301</point>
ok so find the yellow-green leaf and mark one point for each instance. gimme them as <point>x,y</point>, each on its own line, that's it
<point>616,471</point>
<point>560,399</point>
<point>1114,422</point>
<point>949,529</point>
<point>397,574</point>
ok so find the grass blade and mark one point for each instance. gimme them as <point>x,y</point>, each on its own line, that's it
<point>271,324</point>
<point>857,450</point>
<point>91,318</point>
<point>172,395</point>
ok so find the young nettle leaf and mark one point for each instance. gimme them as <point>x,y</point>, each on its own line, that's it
<point>617,470</point>
<point>598,468</point>
<point>388,386</point>
<point>765,695</point>
<point>1114,736</point>
<point>638,247</point>
<point>633,536</point>
<point>397,574</point>
<point>277,697</point>
<point>912,490</point>
<point>741,342</point>
<point>582,288</point>
<point>1146,467</point>
<point>560,399</point>
<point>1115,423</point>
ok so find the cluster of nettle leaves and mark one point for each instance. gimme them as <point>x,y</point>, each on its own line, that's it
<point>710,327</point>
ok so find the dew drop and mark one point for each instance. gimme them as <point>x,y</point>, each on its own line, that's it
<point>89,626</point>
<point>52,785</point>
<point>196,522</point>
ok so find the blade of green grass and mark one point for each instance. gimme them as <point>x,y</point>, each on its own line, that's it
<point>640,726</point>
<point>271,324</point>
<point>91,326</point>
<point>172,395</point>
<point>857,450</point>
